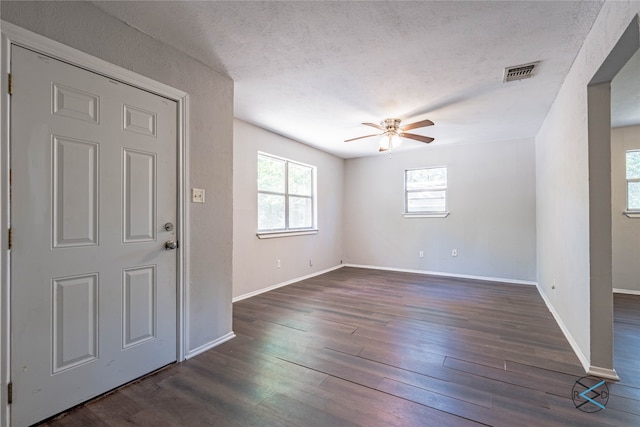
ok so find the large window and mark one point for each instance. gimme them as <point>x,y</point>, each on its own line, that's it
<point>426,192</point>
<point>633,180</point>
<point>286,195</point>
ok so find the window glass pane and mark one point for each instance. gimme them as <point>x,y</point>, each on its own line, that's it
<point>633,196</point>
<point>300,212</point>
<point>300,179</point>
<point>426,179</point>
<point>426,201</point>
<point>270,212</point>
<point>270,174</point>
<point>285,195</point>
<point>633,164</point>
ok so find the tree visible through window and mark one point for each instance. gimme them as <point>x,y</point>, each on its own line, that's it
<point>426,191</point>
<point>633,180</point>
<point>285,194</point>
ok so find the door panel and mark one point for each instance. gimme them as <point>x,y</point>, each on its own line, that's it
<point>139,196</point>
<point>139,302</point>
<point>75,192</point>
<point>93,290</point>
<point>76,104</point>
<point>75,321</point>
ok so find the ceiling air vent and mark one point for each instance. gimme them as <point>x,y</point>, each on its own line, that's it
<point>519,72</point>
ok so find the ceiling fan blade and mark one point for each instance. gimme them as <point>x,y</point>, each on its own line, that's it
<point>420,138</point>
<point>374,125</point>
<point>420,124</point>
<point>360,137</point>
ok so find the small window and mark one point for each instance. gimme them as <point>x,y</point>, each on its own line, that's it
<point>286,195</point>
<point>633,180</point>
<point>426,192</point>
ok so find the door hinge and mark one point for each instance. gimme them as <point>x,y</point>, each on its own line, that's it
<point>10,393</point>
<point>10,84</point>
<point>10,238</point>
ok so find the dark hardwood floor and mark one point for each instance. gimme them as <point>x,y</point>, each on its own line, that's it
<point>357,347</point>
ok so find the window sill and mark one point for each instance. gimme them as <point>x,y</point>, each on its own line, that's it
<point>275,234</point>
<point>427,215</point>
<point>631,214</point>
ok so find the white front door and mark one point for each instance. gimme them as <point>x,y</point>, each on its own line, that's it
<point>93,289</point>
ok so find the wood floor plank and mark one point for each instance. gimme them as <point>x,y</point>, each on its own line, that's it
<point>547,385</point>
<point>360,347</point>
<point>450,405</point>
<point>290,411</point>
<point>405,412</point>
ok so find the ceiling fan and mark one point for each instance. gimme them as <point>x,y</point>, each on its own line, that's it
<point>392,132</point>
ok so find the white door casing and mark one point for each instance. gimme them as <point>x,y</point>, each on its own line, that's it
<point>93,290</point>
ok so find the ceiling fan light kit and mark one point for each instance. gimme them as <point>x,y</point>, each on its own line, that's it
<point>389,141</point>
<point>392,133</point>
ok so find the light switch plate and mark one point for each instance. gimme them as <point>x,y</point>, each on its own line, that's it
<point>197,195</point>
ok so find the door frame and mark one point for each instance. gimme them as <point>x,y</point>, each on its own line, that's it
<point>15,35</point>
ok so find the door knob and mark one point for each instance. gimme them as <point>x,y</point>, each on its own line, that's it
<point>170,244</point>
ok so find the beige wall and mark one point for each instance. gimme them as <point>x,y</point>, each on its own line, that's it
<point>560,212</point>
<point>254,260</point>
<point>86,28</point>
<point>626,231</point>
<point>490,196</point>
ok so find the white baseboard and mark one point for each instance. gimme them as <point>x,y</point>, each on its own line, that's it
<point>374,267</point>
<point>441,274</point>
<point>609,374</point>
<point>279,285</point>
<point>209,345</point>
<point>625,291</point>
<point>584,360</point>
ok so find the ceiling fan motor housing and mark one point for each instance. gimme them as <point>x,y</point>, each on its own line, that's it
<point>391,125</point>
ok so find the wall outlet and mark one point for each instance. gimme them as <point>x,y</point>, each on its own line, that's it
<point>454,252</point>
<point>197,195</point>
<point>421,254</point>
<point>310,262</point>
<point>278,264</point>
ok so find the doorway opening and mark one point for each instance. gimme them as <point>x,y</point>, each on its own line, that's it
<point>600,205</point>
<point>625,211</point>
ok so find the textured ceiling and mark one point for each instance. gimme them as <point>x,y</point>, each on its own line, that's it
<point>313,71</point>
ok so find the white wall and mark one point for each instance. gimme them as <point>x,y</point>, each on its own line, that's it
<point>490,196</point>
<point>562,183</point>
<point>254,260</point>
<point>626,231</point>
<point>83,26</point>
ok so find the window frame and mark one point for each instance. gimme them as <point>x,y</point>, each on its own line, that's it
<point>426,214</point>
<point>287,230</point>
<point>630,212</point>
